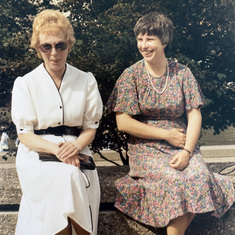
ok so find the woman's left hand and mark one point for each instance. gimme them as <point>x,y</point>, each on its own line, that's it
<point>72,161</point>
<point>180,161</point>
<point>67,150</point>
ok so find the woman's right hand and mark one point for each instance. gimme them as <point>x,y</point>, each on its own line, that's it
<point>176,137</point>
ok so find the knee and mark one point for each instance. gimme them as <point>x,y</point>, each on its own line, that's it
<point>190,217</point>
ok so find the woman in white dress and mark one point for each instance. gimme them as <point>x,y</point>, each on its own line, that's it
<point>56,109</point>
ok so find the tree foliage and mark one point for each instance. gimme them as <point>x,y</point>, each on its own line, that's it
<point>204,41</point>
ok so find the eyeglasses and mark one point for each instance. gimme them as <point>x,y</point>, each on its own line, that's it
<point>46,48</point>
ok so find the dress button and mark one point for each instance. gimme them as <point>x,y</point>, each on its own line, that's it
<point>60,107</point>
<point>59,123</point>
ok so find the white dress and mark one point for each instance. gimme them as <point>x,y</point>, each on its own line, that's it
<point>52,191</point>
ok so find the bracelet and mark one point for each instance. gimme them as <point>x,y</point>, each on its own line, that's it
<point>79,150</point>
<point>190,154</point>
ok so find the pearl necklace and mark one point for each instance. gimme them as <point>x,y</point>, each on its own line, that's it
<point>167,78</point>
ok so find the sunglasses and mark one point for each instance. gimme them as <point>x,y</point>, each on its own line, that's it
<point>46,48</point>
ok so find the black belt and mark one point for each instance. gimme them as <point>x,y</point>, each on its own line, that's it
<point>59,130</point>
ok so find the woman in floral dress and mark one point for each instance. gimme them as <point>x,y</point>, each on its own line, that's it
<point>157,102</point>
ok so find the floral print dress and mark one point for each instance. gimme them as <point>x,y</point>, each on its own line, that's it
<point>154,193</point>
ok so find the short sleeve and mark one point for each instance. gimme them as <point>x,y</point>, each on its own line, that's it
<point>93,106</point>
<point>23,111</point>
<point>124,97</point>
<point>192,92</point>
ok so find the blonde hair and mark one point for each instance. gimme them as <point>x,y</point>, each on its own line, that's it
<point>51,22</point>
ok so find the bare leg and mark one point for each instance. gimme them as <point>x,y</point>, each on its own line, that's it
<point>66,231</point>
<point>190,218</point>
<point>79,230</point>
<point>179,225</point>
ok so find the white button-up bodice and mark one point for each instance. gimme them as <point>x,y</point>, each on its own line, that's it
<point>38,104</point>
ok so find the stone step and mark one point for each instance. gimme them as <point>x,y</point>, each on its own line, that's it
<point>108,175</point>
<point>115,223</point>
<point>111,221</point>
<point>8,222</point>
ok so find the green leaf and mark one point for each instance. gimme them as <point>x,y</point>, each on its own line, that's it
<point>6,44</point>
<point>79,42</point>
<point>221,76</point>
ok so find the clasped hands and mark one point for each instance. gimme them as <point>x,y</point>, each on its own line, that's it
<point>69,153</point>
<point>177,138</point>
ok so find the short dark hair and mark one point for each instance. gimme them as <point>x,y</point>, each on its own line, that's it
<point>156,24</point>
